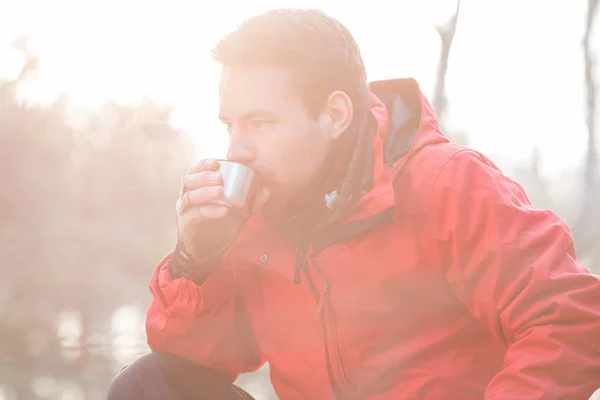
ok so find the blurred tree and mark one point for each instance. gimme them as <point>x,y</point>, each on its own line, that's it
<point>446,31</point>
<point>86,214</point>
<point>587,228</point>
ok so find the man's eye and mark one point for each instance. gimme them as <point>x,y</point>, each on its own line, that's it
<point>258,123</point>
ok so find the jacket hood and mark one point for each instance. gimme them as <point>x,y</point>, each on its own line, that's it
<point>400,124</point>
<point>405,124</point>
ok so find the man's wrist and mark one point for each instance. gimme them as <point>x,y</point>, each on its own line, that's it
<point>183,265</point>
<point>179,262</point>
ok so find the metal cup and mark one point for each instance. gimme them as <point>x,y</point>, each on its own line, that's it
<point>241,185</point>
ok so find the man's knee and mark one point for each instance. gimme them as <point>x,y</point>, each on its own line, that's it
<point>165,376</point>
<point>131,381</point>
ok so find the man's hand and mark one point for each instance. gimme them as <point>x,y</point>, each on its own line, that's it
<point>202,185</point>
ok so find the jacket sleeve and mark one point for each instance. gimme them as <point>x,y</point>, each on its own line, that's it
<point>204,323</point>
<point>513,266</point>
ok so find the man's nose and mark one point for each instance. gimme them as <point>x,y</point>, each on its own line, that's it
<point>240,149</point>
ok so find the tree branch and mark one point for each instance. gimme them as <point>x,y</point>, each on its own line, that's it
<point>446,33</point>
<point>587,229</point>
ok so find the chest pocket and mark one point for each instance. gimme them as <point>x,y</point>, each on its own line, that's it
<point>380,273</point>
<point>385,296</point>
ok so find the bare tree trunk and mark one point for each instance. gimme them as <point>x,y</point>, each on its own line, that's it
<point>587,231</point>
<point>592,156</point>
<point>446,33</point>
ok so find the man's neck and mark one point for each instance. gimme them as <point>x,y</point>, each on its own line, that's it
<point>307,211</point>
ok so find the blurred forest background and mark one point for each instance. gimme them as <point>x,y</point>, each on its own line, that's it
<point>87,210</point>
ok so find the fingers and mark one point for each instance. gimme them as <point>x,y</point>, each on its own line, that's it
<point>202,185</point>
<point>203,165</point>
<point>200,197</point>
<point>201,213</point>
<point>203,178</point>
<point>213,211</point>
<point>200,188</point>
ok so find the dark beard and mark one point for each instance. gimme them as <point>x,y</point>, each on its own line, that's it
<point>341,171</point>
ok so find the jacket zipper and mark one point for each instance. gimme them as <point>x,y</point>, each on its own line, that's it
<point>299,265</point>
<point>322,295</point>
<point>334,357</point>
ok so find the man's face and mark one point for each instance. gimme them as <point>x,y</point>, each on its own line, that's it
<point>271,130</point>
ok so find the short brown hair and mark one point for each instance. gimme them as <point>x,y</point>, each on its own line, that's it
<point>318,51</point>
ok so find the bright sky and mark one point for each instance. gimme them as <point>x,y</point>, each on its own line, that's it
<point>515,79</point>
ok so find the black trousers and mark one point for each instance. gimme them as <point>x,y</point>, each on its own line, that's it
<point>160,376</point>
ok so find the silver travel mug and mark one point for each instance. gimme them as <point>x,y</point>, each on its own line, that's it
<point>241,185</point>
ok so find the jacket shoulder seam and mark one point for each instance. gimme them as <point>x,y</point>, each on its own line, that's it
<point>434,184</point>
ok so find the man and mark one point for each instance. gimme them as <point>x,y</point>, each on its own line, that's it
<point>382,261</point>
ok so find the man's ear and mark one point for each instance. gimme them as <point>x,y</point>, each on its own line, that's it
<point>337,114</point>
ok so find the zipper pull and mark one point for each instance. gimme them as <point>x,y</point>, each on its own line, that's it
<point>322,297</point>
<point>299,265</point>
<point>326,285</point>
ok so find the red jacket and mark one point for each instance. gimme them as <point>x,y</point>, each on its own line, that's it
<point>445,283</point>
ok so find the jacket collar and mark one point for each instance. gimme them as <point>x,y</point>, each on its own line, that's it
<point>405,124</point>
